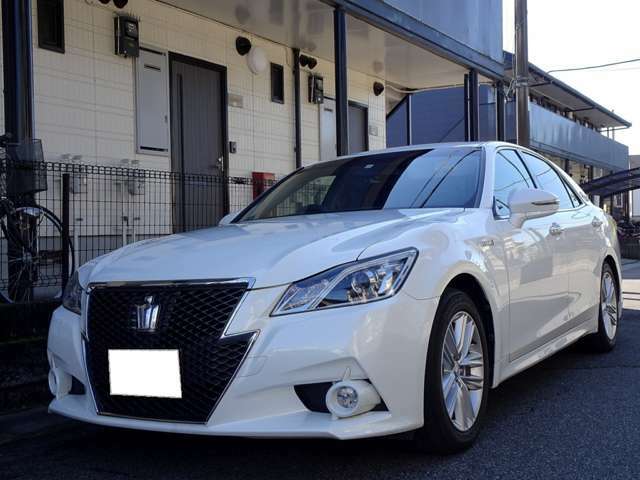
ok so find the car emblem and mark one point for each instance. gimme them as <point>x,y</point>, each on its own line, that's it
<point>147,315</point>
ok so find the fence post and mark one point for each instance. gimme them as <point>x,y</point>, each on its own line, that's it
<point>66,183</point>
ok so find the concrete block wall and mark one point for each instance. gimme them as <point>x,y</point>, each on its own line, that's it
<point>84,98</point>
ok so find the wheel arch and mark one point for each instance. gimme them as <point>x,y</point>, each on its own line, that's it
<point>469,284</point>
<point>617,271</point>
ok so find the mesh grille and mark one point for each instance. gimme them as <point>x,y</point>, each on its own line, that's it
<point>191,319</point>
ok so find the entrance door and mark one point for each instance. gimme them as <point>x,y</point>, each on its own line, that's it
<point>198,132</point>
<point>358,129</point>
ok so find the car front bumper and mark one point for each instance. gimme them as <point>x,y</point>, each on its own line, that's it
<point>384,342</point>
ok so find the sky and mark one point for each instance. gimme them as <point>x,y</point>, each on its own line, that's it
<point>576,33</point>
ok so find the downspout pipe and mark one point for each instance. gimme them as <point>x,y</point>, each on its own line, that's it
<point>340,65</point>
<point>18,70</point>
<point>297,106</point>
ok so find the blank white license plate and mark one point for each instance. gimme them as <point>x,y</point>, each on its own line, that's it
<point>145,373</point>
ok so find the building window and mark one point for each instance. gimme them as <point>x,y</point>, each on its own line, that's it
<point>51,25</point>
<point>277,83</point>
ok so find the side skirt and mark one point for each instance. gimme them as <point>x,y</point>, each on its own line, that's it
<point>508,369</point>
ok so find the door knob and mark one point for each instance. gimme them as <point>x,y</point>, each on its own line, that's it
<point>555,229</point>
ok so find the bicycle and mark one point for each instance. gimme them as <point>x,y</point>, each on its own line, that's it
<point>35,253</point>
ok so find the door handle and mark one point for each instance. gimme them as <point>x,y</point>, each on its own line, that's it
<point>596,222</point>
<point>218,164</point>
<point>555,229</point>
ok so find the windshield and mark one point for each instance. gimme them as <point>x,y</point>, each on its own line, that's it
<point>441,177</point>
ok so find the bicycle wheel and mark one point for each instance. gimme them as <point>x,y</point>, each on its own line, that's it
<point>35,255</point>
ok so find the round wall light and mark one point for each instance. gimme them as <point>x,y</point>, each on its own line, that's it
<point>257,60</point>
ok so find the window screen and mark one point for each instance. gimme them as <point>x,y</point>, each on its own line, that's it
<point>51,25</point>
<point>277,83</point>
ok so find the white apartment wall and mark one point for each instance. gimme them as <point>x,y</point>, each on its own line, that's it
<point>84,98</point>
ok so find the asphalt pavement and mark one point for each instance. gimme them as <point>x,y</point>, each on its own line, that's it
<point>575,415</point>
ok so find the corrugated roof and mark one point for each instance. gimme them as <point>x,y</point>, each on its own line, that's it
<point>613,184</point>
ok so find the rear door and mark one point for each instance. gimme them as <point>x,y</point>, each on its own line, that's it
<point>585,237</point>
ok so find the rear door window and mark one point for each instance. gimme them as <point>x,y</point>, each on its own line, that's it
<point>547,178</point>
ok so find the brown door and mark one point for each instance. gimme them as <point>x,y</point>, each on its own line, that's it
<point>198,133</point>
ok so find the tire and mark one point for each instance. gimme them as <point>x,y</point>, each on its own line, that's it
<point>444,433</point>
<point>43,270</point>
<point>604,340</point>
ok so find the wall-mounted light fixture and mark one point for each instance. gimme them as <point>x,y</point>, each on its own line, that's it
<point>378,88</point>
<point>306,61</point>
<point>243,45</point>
<point>257,60</point>
<point>117,3</point>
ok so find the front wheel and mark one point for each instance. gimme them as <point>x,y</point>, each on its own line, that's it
<point>457,377</point>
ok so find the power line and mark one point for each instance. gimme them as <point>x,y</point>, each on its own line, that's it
<point>594,66</point>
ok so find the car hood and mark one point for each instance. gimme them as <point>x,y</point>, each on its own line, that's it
<point>273,252</point>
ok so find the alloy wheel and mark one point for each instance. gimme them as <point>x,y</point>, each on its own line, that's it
<point>609,305</point>
<point>462,371</point>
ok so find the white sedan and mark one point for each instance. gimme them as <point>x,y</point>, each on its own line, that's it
<point>375,294</point>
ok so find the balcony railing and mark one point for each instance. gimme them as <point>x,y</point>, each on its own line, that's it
<point>557,135</point>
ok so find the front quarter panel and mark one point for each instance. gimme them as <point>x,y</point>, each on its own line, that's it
<point>466,244</point>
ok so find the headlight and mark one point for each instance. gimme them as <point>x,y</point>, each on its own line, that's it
<point>72,294</point>
<point>354,283</point>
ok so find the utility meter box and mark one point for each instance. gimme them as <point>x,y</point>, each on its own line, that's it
<point>316,89</point>
<point>127,36</point>
<point>136,182</point>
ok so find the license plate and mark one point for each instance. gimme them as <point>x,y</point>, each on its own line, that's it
<point>145,373</point>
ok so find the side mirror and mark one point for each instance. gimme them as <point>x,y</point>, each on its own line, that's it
<point>529,203</point>
<point>228,218</point>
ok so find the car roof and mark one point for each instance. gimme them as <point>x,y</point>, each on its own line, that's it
<point>428,146</point>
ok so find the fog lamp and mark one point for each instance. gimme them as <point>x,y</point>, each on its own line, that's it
<point>347,397</point>
<point>59,382</point>
<point>351,397</point>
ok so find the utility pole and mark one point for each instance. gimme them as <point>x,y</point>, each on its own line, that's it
<point>522,73</point>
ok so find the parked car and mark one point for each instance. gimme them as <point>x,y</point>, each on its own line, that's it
<point>380,293</point>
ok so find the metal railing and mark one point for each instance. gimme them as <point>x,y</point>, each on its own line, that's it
<point>103,208</point>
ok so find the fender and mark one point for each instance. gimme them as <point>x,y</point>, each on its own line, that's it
<point>498,299</point>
